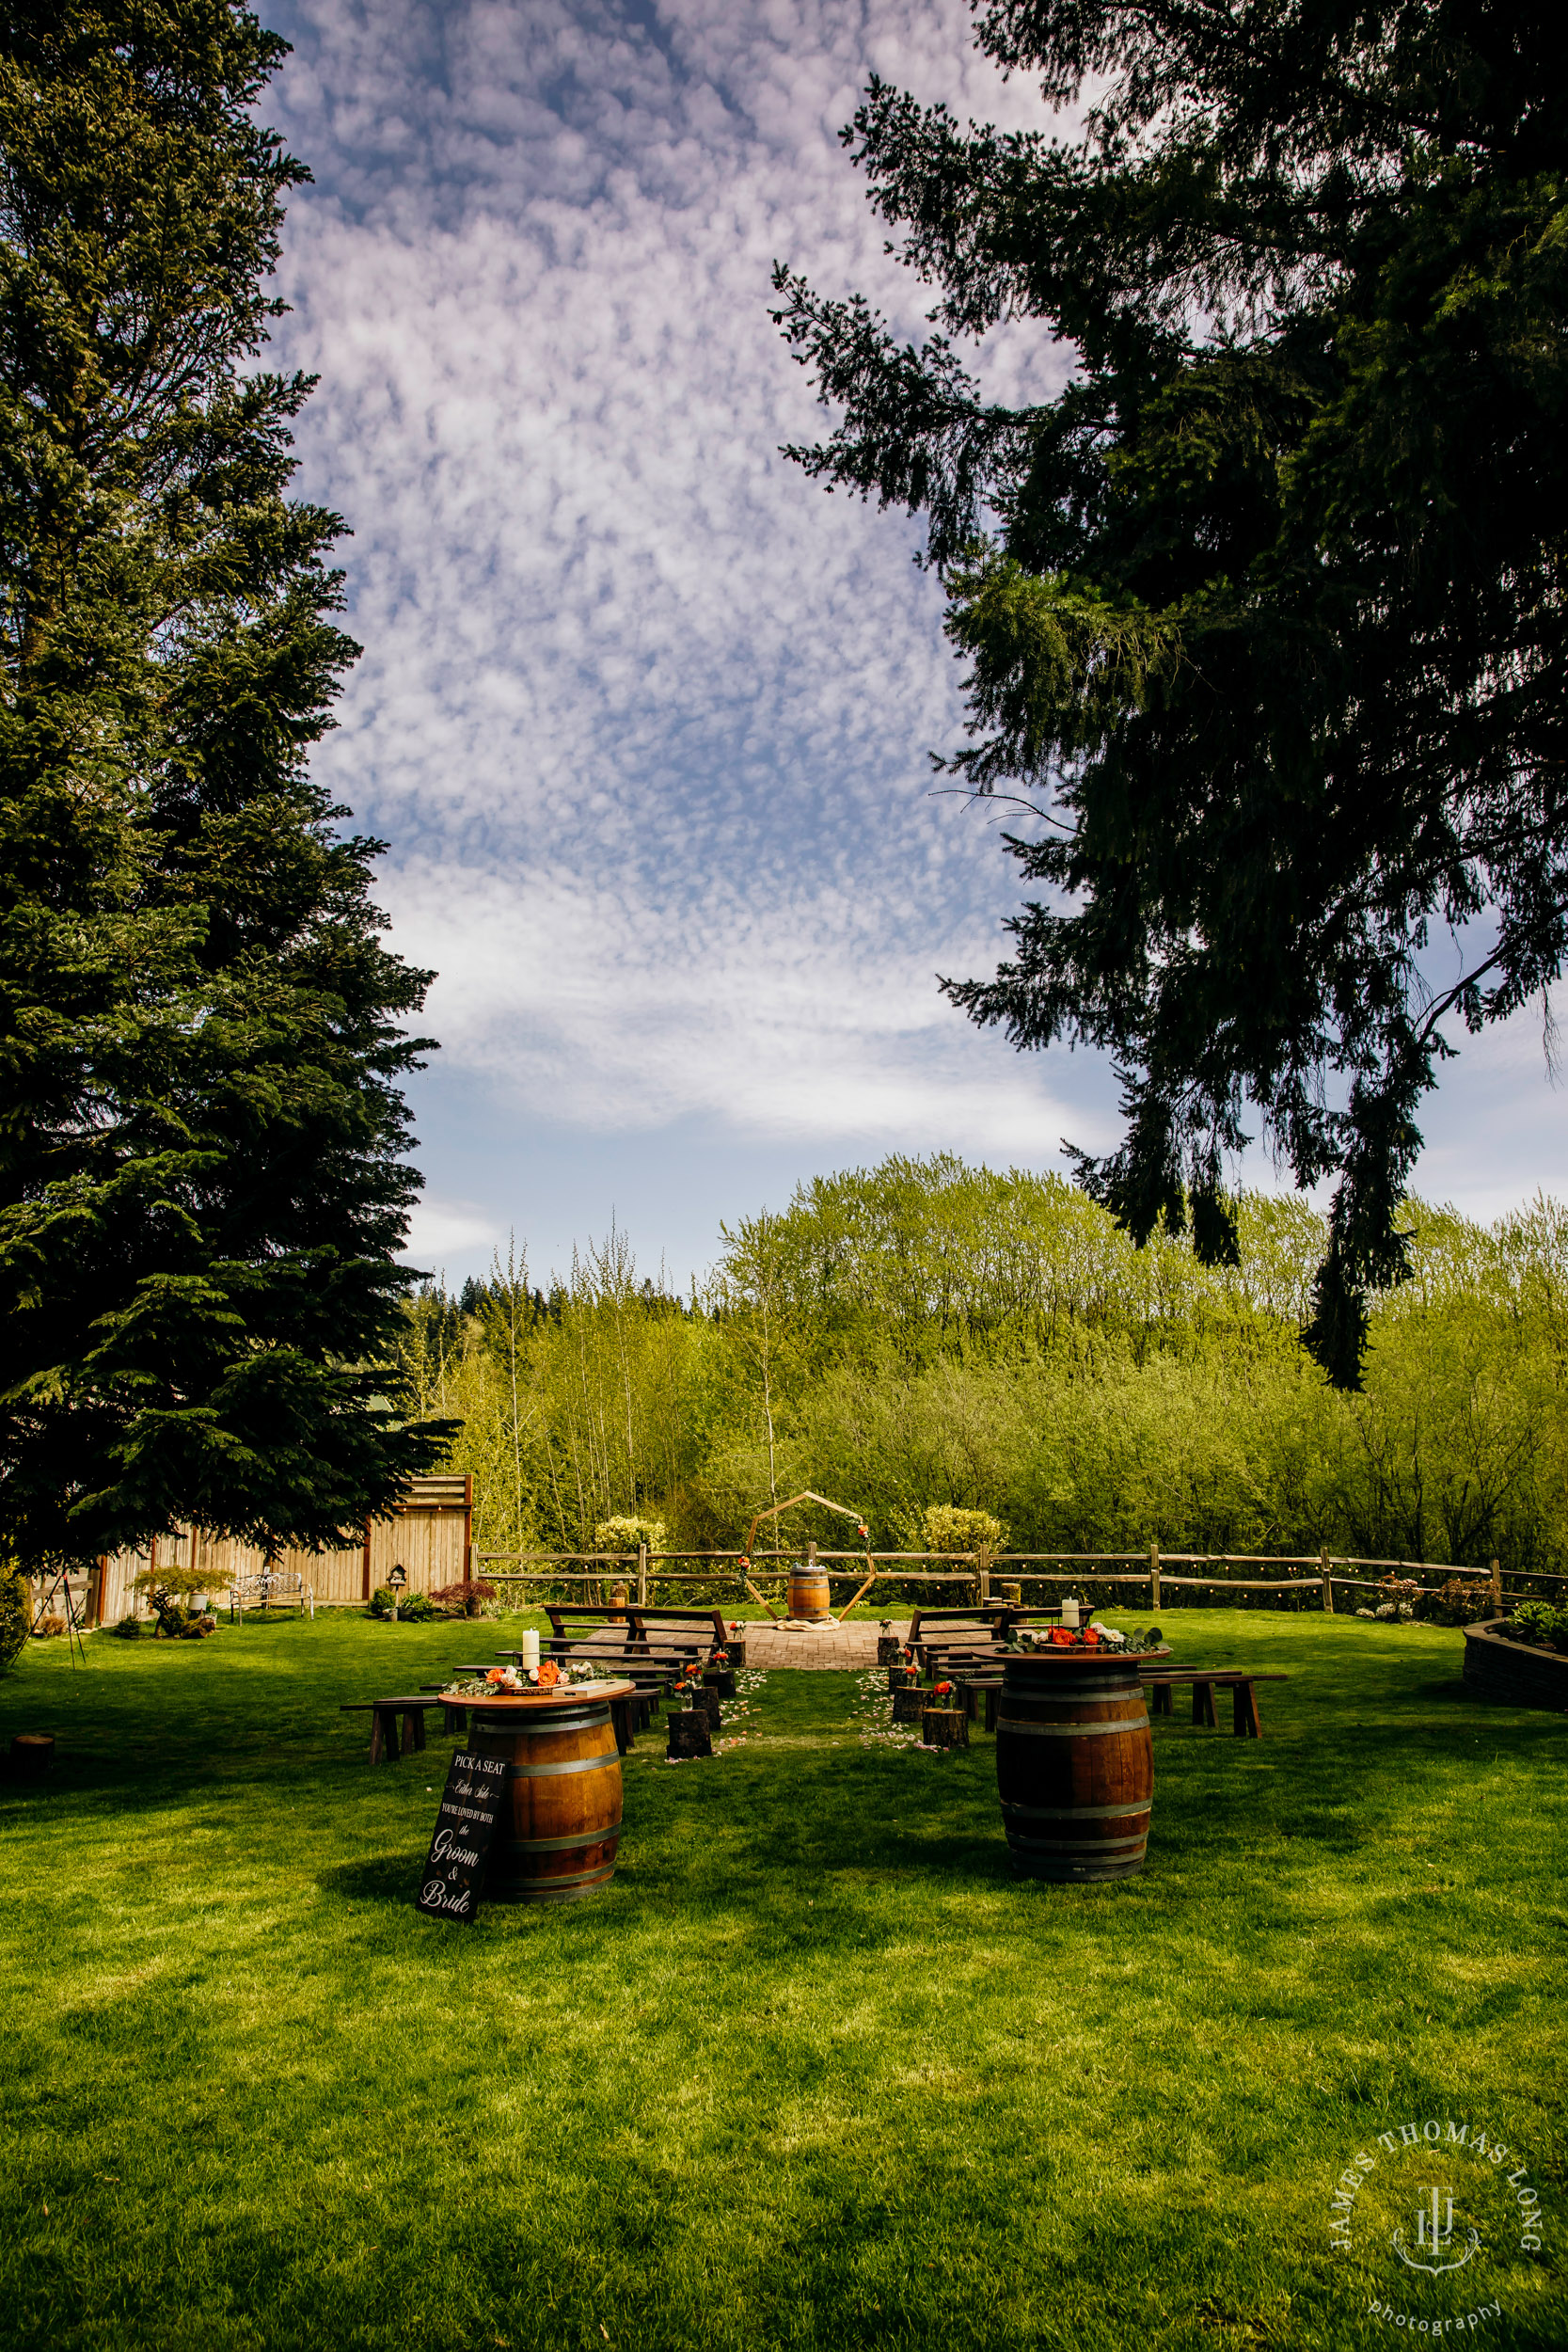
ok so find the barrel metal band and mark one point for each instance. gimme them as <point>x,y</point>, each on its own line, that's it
<point>579,1764</point>
<point>1038,1692</point>
<point>1070,1731</point>
<point>1090,1847</point>
<point>563,1844</point>
<point>568,1878</point>
<point>1075,1812</point>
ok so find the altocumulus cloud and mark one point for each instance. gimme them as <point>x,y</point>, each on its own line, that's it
<point>644,714</point>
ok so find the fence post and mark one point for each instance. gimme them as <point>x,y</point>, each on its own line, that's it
<point>1154,1578</point>
<point>982,1573</point>
<point>1328,1585</point>
<point>641,1576</point>
<point>1496,1587</point>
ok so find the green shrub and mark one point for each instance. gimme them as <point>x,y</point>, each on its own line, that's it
<point>947,1527</point>
<point>129,1628</point>
<point>1542,1623</point>
<point>412,1608</point>
<point>16,1617</point>
<point>624,1535</point>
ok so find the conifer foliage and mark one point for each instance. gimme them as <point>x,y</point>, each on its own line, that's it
<point>202,1182</point>
<point>1265,610</point>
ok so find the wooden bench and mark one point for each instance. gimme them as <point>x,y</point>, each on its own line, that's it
<point>1160,1681</point>
<point>638,1624</point>
<point>386,1745</point>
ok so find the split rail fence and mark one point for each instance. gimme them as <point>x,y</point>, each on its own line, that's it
<point>431,1537</point>
<point>982,1575</point>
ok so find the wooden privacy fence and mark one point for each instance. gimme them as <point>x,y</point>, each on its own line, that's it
<point>1156,1572</point>
<point>430,1535</point>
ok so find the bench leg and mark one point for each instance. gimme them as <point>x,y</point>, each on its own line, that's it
<point>620,1723</point>
<point>413,1731</point>
<point>384,1735</point>
<point>992,1697</point>
<point>1160,1699</point>
<point>1245,1712</point>
<point>1203,1704</point>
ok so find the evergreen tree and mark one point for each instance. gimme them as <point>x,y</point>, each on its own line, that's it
<point>202,1187</point>
<point>1265,611</point>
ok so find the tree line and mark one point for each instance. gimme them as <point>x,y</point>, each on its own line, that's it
<point>926,1333</point>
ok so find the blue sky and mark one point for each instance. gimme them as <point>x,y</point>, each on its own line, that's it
<point>643,713</point>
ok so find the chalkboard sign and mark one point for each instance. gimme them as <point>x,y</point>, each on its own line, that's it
<point>471,1807</point>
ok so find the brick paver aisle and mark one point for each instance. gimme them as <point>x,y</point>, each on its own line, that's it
<point>827,1645</point>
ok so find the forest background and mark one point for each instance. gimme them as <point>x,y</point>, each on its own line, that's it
<point>928,1333</point>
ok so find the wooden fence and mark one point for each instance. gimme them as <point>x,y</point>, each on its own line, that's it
<point>430,1535</point>
<point>978,1574</point>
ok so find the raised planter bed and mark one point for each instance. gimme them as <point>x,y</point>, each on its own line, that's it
<point>1513,1674</point>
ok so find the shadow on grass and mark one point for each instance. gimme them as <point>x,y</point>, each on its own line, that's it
<point>392,1878</point>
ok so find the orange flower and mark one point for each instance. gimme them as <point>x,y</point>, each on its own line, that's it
<point>496,1674</point>
<point>1092,1637</point>
<point>1061,1636</point>
<point>549,1674</point>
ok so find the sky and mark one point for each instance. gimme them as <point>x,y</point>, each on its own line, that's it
<point>643,715</point>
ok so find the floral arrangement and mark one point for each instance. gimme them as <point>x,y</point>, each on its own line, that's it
<point>942,1690</point>
<point>509,1682</point>
<point>1106,1637</point>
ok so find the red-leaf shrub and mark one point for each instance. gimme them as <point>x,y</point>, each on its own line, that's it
<point>464,1599</point>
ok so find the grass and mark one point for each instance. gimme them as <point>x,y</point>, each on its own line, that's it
<point>816,2072</point>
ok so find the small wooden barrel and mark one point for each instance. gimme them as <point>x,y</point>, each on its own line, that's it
<point>1074,1765</point>
<point>808,1592</point>
<point>557,1837</point>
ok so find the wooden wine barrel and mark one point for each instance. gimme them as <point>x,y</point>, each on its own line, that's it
<point>557,1837</point>
<point>808,1592</point>
<point>1074,1765</point>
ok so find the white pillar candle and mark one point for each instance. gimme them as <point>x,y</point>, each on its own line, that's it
<point>529,1644</point>
<point>1070,1611</point>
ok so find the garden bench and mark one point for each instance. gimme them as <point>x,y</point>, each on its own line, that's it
<point>647,1622</point>
<point>638,1624</point>
<point>1160,1681</point>
<point>383,1713</point>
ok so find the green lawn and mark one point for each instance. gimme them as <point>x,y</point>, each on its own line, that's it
<point>816,2072</point>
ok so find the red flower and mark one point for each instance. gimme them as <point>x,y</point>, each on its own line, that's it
<point>1061,1637</point>
<point>943,1689</point>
